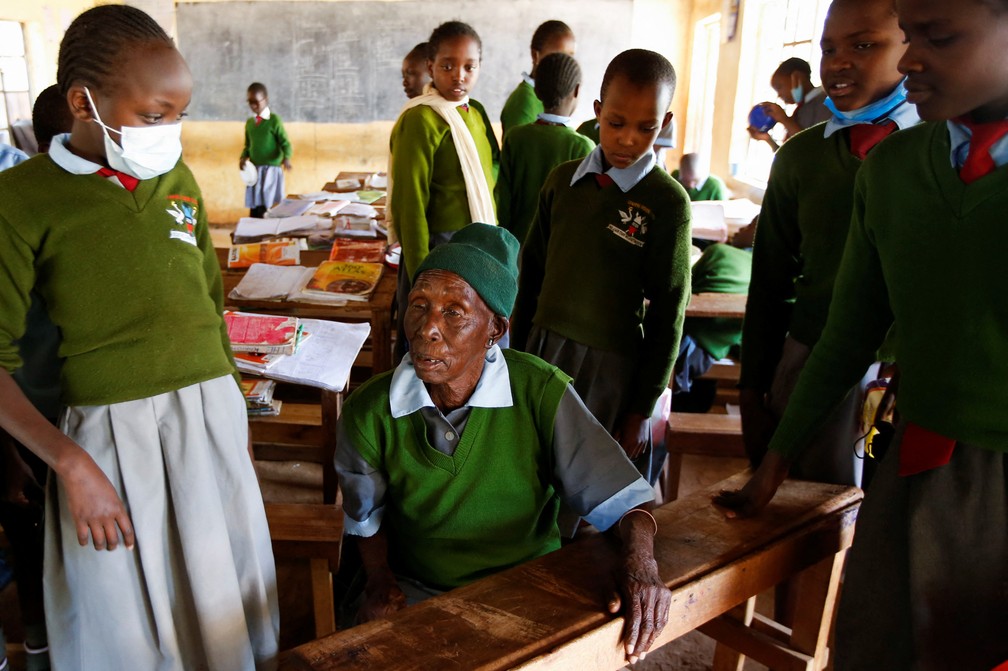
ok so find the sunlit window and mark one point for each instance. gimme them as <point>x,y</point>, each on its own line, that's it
<point>772,31</point>
<point>15,101</point>
<point>703,84</point>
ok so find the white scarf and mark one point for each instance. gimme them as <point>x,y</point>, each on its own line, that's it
<point>481,202</point>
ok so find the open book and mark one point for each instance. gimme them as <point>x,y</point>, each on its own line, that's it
<point>251,229</point>
<point>325,359</point>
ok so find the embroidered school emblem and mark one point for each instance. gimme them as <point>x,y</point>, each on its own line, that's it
<point>633,224</point>
<point>183,210</point>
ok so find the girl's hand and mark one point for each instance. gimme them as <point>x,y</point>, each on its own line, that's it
<point>382,597</point>
<point>774,111</point>
<point>632,434</point>
<point>95,506</point>
<point>241,163</point>
<point>287,165</point>
<point>756,493</point>
<point>646,600</point>
<point>758,424</point>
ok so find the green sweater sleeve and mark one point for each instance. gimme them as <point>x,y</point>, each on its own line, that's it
<point>215,281</point>
<point>503,190</point>
<point>859,318</point>
<point>282,141</point>
<point>245,148</point>
<point>495,151</point>
<point>775,267</point>
<point>532,270</point>
<point>667,287</point>
<point>521,107</point>
<point>413,145</point>
<point>17,276</point>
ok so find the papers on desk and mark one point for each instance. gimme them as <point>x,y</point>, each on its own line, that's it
<point>377,181</point>
<point>316,196</point>
<point>251,229</point>
<point>265,282</point>
<point>289,207</point>
<point>709,220</point>
<point>325,359</point>
<point>739,212</point>
<point>327,208</point>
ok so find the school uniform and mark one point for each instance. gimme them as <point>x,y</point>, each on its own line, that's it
<point>595,252</point>
<point>803,225</point>
<point>530,155</point>
<point>712,188</point>
<point>590,129</point>
<point>267,147</point>
<point>132,282</point>
<point>925,580</point>
<point>491,137</point>
<point>522,106</point>
<point>812,110</point>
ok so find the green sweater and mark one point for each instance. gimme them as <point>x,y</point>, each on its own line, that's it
<point>531,153</point>
<point>591,259</point>
<point>721,269</point>
<point>130,279</point>
<point>926,253</point>
<point>799,240</point>
<point>522,107</point>
<point>713,188</point>
<point>267,143</point>
<point>454,519</point>
<point>428,190</point>
<point>490,136</point>
<point>590,130</point>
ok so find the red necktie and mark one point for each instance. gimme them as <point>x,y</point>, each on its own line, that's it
<point>603,180</point>
<point>129,182</point>
<point>921,450</point>
<point>979,162</point>
<point>864,136</point>
<point>258,119</point>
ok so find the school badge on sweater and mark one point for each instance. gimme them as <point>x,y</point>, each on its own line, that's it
<point>183,210</point>
<point>633,223</point>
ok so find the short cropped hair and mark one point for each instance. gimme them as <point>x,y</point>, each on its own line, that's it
<point>50,116</point>
<point>793,65</point>
<point>549,31</point>
<point>418,53</point>
<point>90,49</point>
<point>449,31</point>
<point>640,67</point>
<point>557,75</point>
<point>257,87</point>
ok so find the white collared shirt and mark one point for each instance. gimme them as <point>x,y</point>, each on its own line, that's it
<point>625,178</point>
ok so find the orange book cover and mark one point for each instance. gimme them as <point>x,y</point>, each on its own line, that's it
<point>286,253</point>
<point>357,250</point>
<point>353,281</point>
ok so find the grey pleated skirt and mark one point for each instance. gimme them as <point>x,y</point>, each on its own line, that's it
<point>198,591</point>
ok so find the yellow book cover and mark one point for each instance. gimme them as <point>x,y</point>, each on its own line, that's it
<point>353,281</point>
<point>285,253</point>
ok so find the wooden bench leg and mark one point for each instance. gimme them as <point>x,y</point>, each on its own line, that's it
<point>816,603</point>
<point>322,597</point>
<point>672,469</point>
<point>726,659</point>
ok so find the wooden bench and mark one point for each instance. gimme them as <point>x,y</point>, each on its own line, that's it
<point>705,434</point>
<point>314,532</point>
<point>550,614</point>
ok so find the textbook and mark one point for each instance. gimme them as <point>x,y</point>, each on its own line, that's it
<point>325,359</point>
<point>327,208</point>
<point>271,410</point>
<point>254,363</point>
<point>263,282</point>
<point>265,334</point>
<point>357,250</point>
<point>257,391</point>
<point>277,253</point>
<point>251,229</point>
<point>345,280</point>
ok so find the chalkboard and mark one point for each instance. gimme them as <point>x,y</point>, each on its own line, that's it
<point>340,61</point>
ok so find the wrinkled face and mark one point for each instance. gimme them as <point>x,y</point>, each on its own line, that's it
<point>155,89</point>
<point>414,76</point>
<point>562,44</point>
<point>861,47</point>
<point>448,326</point>
<point>257,102</point>
<point>630,119</point>
<point>955,58</point>
<point>455,68</point>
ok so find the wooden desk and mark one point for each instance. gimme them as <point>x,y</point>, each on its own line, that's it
<point>717,305</point>
<point>550,612</point>
<point>377,311</point>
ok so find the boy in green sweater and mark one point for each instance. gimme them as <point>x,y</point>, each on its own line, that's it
<point>698,182</point>
<point>926,575</point>
<point>533,150</point>
<point>267,147</point>
<point>611,231</point>
<point>523,105</point>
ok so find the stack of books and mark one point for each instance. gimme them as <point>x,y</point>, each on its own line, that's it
<point>259,401</point>
<point>263,334</point>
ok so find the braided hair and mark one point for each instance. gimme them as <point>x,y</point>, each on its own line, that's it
<point>641,67</point>
<point>91,45</point>
<point>549,31</point>
<point>556,78</point>
<point>449,31</point>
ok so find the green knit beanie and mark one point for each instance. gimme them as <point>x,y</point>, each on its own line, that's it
<point>486,257</point>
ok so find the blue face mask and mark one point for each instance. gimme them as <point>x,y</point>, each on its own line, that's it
<point>798,94</point>
<point>873,111</point>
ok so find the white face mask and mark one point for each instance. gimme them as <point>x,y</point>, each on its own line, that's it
<point>146,151</point>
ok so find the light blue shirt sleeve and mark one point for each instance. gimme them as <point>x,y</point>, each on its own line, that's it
<point>363,487</point>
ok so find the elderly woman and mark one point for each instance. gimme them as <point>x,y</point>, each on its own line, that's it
<point>454,463</point>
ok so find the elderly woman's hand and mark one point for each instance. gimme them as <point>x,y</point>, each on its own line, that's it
<point>643,598</point>
<point>632,433</point>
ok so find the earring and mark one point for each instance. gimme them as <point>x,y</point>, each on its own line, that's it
<point>490,343</point>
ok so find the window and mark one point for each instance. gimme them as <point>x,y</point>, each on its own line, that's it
<point>703,83</point>
<point>15,101</point>
<point>772,31</point>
